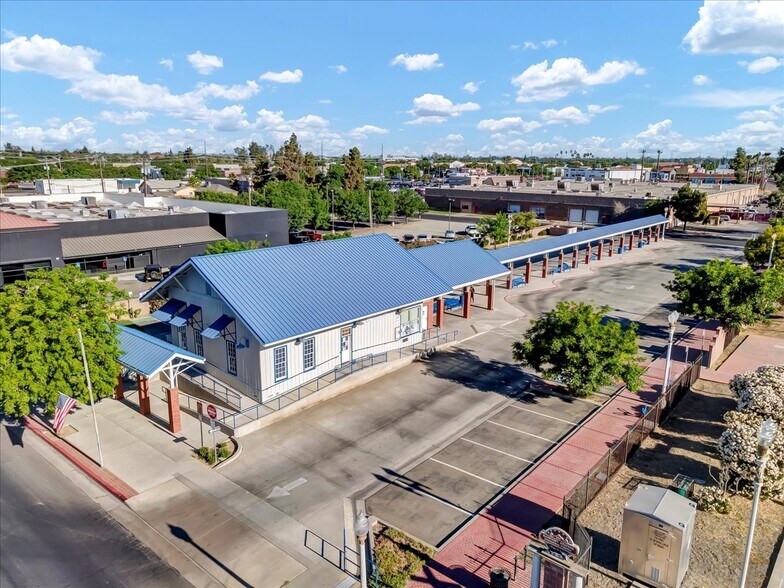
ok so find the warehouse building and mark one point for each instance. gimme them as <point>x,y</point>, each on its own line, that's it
<point>119,233</point>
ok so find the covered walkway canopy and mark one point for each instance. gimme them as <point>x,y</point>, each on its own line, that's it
<point>560,243</point>
<point>460,263</point>
<point>148,356</point>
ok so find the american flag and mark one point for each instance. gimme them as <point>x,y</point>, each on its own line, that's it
<point>64,406</point>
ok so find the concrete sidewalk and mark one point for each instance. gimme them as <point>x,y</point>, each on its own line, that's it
<point>211,529</point>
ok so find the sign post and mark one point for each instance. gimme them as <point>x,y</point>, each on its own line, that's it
<point>199,412</point>
<point>212,413</point>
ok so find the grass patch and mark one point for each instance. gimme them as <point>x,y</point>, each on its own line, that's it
<point>399,557</point>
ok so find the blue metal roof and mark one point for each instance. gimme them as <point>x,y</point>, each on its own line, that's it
<point>460,263</point>
<point>281,293</point>
<point>166,312</point>
<point>147,355</point>
<point>543,246</point>
<point>215,329</point>
<point>182,319</point>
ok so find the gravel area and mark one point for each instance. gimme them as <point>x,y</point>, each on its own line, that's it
<point>686,444</point>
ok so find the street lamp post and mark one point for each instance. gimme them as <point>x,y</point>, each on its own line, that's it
<point>765,436</point>
<point>449,224</point>
<point>361,529</point>
<point>130,294</point>
<point>772,247</point>
<point>672,319</point>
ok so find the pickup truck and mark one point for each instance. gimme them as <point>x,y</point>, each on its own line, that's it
<point>304,236</point>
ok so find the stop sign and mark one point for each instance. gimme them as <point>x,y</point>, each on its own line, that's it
<point>211,412</point>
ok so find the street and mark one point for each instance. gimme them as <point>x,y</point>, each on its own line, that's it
<point>52,534</point>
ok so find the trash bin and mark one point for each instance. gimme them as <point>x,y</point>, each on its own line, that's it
<point>499,578</point>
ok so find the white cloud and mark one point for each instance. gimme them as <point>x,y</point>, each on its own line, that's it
<point>325,101</point>
<point>135,117</point>
<point>596,109</point>
<point>738,27</point>
<point>167,63</point>
<point>454,138</point>
<point>78,131</point>
<point>235,92</point>
<point>722,98</point>
<point>549,43</point>
<point>566,75</point>
<point>471,87</point>
<point>774,113</point>
<point>172,138</point>
<point>660,135</point>
<point>7,113</point>
<point>417,62</point>
<point>570,115</point>
<point>436,109</point>
<point>365,130</point>
<point>48,56</point>
<point>205,64</point>
<point>754,136</point>
<point>763,65</point>
<point>341,69</point>
<point>229,119</point>
<point>509,123</point>
<point>283,77</point>
<point>546,44</point>
<point>311,130</point>
<point>701,80</point>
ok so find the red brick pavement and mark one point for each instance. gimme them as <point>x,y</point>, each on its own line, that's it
<point>498,534</point>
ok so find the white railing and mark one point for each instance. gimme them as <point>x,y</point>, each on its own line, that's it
<point>214,386</point>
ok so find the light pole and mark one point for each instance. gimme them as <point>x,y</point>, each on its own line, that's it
<point>361,529</point>
<point>772,247</point>
<point>449,224</point>
<point>508,228</point>
<point>765,437</point>
<point>130,295</point>
<point>672,319</point>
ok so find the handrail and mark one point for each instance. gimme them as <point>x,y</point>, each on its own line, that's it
<point>262,409</point>
<point>198,376</point>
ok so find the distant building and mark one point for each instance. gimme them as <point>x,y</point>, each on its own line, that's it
<point>229,169</point>
<point>84,186</point>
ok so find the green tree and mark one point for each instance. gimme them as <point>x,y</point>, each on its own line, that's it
<point>776,198</point>
<point>262,170</point>
<point>319,211</point>
<point>188,157</point>
<point>733,294</point>
<point>339,235</point>
<point>241,153</point>
<point>740,163</point>
<point>393,172</point>
<point>409,204</point>
<point>174,170</point>
<point>574,346</point>
<point>757,250</point>
<point>383,201</point>
<point>524,222</point>
<point>354,178</point>
<point>494,229</point>
<point>293,197</point>
<point>352,206</point>
<point>778,167</point>
<point>227,246</point>
<point>310,173</point>
<point>335,175</point>
<point>412,172</point>
<point>212,196</point>
<point>690,205</point>
<point>290,159</point>
<point>39,346</point>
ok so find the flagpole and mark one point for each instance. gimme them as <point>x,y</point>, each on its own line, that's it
<point>92,403</point>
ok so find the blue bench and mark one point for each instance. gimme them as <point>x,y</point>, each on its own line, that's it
<point>622,249</point>
<point>517,282</point>
<point>451,302</point>
<point>563,268</point>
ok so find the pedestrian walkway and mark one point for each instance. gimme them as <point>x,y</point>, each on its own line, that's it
<point>753,352</point>
<point>495,537</point>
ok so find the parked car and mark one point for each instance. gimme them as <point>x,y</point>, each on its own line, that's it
<point>423,237</point>
<point>304,236</point>
<point>450,234</point>
<point>407,239</point>
<point>723,218</point>
<point>472,231</point>
<point>153,273</point>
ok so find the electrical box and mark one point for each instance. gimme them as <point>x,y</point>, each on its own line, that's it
<point>656,538</point>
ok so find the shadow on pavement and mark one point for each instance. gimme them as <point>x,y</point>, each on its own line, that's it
<point>183,535</point>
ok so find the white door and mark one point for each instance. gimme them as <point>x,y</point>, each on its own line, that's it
<point>592,215</point>
<point>345,345</point>
<point>575,215</point>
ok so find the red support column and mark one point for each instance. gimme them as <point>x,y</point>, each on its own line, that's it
<point>560,261</point>
<point>599,251</point>
<point>588,253</point>
<point>119,393</point>
<point>466,302</point>
<point>574,258</point>
<point>173,398</point>
<point>544,266</point>
<point>440,312</point>
<point>490,295</point>
<point>143,386</point>
<point>429,308</point>
<point>650,235</point>
<point>509,277</point>
<point>528,267</point>
<point>656,235</point>
<point>631,241</point>
<point>612,246</point>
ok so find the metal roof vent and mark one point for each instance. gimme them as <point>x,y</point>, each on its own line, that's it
<point>40,204</point>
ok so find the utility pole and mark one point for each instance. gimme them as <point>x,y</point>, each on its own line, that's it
<point>658,157</point>
<point>48,176</point>
<point>370,212</point>
<point>250,178</point>
<point>642,163</point>
<point>100,167</point>
<point>382,161</point>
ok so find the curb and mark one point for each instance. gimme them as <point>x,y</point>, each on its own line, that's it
<point>103,477</point>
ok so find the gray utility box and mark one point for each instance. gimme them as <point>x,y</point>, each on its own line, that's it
<point>656,537</point>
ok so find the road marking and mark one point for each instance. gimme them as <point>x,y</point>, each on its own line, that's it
<point>542,414</point>
<point>496,450</point>
<point>449,465</point>
<point>279,491</point>
<point>411,488</point>
<point>520,431</point>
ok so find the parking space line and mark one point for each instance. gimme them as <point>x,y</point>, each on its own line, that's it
<point>410,488</point>
<point>520,431</point>
<point>542,414</point>
<point>496,450</point>
<point>449,465</point>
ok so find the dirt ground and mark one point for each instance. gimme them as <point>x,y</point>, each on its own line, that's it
<point>686,444</point>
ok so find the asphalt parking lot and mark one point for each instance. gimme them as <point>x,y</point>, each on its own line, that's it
<point>432,499</point>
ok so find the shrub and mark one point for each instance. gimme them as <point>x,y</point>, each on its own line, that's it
<point>399,557</point>
<point>206,454</point>
<point>713,499</point>
<point>223,450</point>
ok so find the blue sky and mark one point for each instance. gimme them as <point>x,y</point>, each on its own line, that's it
<point>459,77</point>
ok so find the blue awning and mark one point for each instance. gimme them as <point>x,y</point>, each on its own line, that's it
<point>215,329</point>
<point>182,319</point>
<point>168,310</point>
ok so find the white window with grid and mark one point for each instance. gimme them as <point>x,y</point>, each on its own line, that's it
<point>197,341</point>
<point>309,354</point>
<point>279,363</point>
<point>182,336</point>
<point>231,357</point>
<point>410,321</point>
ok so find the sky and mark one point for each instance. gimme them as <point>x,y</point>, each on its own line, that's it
<point>477,78</point>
